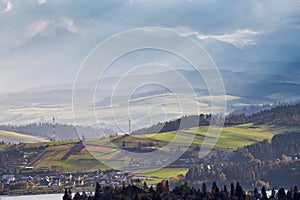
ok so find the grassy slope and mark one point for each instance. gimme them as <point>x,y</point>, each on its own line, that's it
<point>13,137</point>
<point>231,138</point>
<point>79,162</point>
<point>163,174</point>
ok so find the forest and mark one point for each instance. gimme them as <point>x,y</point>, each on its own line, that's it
<point>184,191</point>
<point>283,114</point>
<point>274,163</point>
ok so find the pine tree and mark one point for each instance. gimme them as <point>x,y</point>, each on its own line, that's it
<point>167,185</point>
<point>256,194</point>
<point>238,191</point>
<point>281,194</point>
<point>273,193</point>
<point>232,191</point>
<point>204,188</point>
<point>296,196</point>
<point>97,192</point>
<point>264,193</point>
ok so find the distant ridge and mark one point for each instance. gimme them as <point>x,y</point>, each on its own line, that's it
<point>283,114</point>
<point>62,131</point>
<point>13,137</point>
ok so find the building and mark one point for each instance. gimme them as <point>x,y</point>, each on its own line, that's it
<point>8,178</point>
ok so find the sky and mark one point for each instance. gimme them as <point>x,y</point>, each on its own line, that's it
<point>43,42</point>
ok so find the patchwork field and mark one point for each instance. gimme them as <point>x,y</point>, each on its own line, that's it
<point>74,156</point>
<point>84,159</point>
<point>231,137</point>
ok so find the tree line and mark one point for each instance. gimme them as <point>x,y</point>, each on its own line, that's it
<point>184,191</point>
<point>57,131</point>
<point>274,163</point>
<point>282,114</point>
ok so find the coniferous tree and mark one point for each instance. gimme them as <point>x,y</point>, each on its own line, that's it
<point>70,194</point>
<point>76,196</point>
<point>213,187</point>
<point>256,193</point>
<point>264,193</point>
<point>97,192</point>
<point>289,195</point>
<point>296,196</point>
<point>66,195</point>
<point>239,191</point>
<point>167,185</point>
<point>281,194</point>
<point>273,193</point>
<point>232,191</point>
<point>204,188</point>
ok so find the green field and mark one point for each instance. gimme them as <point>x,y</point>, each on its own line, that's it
<point>231,138</point>
<point>163,174</point>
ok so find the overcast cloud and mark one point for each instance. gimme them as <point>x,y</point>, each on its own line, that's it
<point>52,37</point>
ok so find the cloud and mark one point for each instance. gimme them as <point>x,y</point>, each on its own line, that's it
<point>42,1</point>
<point>239,37</point>
<point>86,23</point>
<point>37,27</point>
<point>48,27</point>
<point>132,2</point>
<point>69,25</point>
<point>9,5</point>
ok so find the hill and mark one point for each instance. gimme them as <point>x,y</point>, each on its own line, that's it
<point>13,137</point>
<point>270,163</point>
<point>281,115</point>
<point>75,155</point>
<point>57,131</point>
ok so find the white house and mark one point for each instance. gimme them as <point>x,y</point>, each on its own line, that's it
<point>7,178</point>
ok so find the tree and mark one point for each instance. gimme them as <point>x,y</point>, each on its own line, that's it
<point>239,191</point>
<point>225,189</point>
<point>70,194</point>
<point>256,193</point>
<point>264,193</point>
<point>296,196</point>
<point>145,186</point>
<point>273,193</point>
<point>232,191</point>
<point>97,192</point>
<point>281,194</point>
<point>214,187</point>
<point>289,195</point>
<point>204,188</point>
<point>66,195</point>
<point>151,190</point>
<point>167,185</point>
<point>76,196</point>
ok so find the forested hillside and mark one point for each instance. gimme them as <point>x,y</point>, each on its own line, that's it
<point>288,114</point>
<point>184,122</point>
<point>284,114</point>
<point>274,163</point>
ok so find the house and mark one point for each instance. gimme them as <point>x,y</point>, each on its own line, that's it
<point>8,178</point>
<point>296,156</point>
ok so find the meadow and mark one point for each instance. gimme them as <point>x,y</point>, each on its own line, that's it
<point>73,157</point>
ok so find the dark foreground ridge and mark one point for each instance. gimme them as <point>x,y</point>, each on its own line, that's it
<point>183,191</point>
